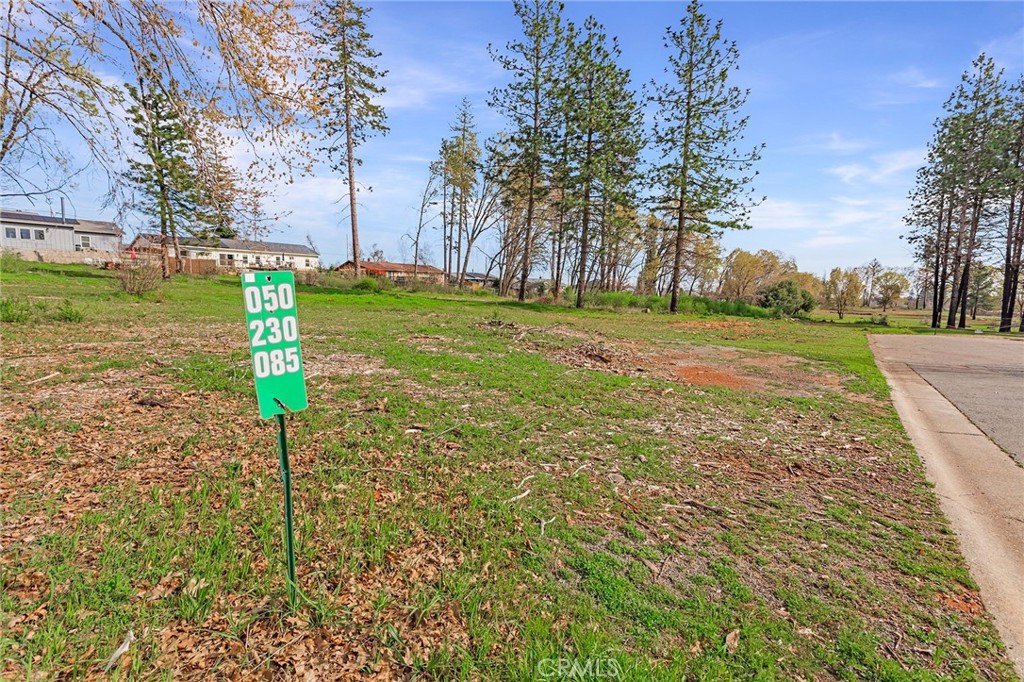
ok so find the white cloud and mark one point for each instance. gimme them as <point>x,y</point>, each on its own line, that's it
<point>913,77</point>
<point>783,214</point>
<point>902,88</point>
<point>828,240</point>
<point>317,205</point>
<point>1007,51</point>
<point>832,142</point>
<point>835,215</point>
<point>880,168</point>
<point>452,70</point>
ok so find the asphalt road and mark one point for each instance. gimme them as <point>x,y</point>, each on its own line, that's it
<point>957,397</point>
<point>983,376</point>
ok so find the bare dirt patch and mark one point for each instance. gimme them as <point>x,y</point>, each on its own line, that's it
<point>697,365</point>
<point>738,329</point>
<point>702,375</point>
<point>967,602</point>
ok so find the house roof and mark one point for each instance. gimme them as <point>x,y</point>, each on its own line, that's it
<point>87,226</point>
<point>480,276</point>
<point>250,245</point>
<point>98,227</point>
<point>385,266</point>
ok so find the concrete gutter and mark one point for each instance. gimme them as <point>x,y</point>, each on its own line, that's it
<point>980,489</point>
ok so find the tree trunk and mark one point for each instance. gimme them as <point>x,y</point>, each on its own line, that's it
<point>444,227</point>
<point>585,226</point>
<point>165,264</point>
<point>1012,265</point>
<point>965,282</point>
<point>559,252</point>
<point>350,153</point>
<point>450,238</point>
<point>954,294</point>
<point>462,230</point>
<point>944,280</point>
<point>936,302</point>
<point>165,261</point>
<point>525,273</point>
<point>677,263</point>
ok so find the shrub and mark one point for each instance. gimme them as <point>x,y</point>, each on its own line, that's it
<point>618,300</point>
<point>138,278</point>
<point>11,261</point>
<point>368,284</point>
<point>13,310</point>
<point>786,297</point>
<point>69,313</point>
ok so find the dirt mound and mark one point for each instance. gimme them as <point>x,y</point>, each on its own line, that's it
<point>703,375</point>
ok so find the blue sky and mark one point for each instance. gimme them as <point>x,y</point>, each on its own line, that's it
<point>844,94</point>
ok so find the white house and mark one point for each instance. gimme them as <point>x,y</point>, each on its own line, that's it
<point>236,254</point>
<point>57,239</point>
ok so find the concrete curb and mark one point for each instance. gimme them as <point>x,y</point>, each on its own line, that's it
<point>980,490</point>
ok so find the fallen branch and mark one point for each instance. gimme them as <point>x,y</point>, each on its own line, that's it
<point>441,433</point>
<point>657,576</point>
<point>518,497</point>
<point>128,639</point>
<point>42,379</point>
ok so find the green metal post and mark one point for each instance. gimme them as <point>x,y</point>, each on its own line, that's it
<point>286,475</point>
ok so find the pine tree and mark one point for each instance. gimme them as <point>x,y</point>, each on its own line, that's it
<point>464,164</point>
<point>165,175</point>
<point>348,82</point>
<point>604,129</point>
<point>527,103</point>
<point>968,146</point>
<point>1013,135</point>
<point>703,177</point>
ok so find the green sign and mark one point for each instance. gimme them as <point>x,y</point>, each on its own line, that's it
<point>274,341</point>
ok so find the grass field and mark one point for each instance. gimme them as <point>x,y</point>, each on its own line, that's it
<point>483,491</point>
<point>910,320</point>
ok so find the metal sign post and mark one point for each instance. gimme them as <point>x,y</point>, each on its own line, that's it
<point>273,325</point>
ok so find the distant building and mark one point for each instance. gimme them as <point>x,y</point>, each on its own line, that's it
<point>399,273</point>
<point>233,254</point>
<point>480,280</point>
<point>56,239</point>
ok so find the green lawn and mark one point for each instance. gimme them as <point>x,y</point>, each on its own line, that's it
<point>483,491</point>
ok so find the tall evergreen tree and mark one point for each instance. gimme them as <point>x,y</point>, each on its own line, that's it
<point>605,127</point>
<point>703,177</point>
<point>464,165</point>
<point>348,82</point>
<point>972,153</point>
<point>527,102</point>
<point>1014,199</point>
<point>968,170</point>
<point>164,175</point>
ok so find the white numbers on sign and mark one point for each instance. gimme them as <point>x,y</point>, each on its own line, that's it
<point>291,328</point>
<point>286,329</point>
<point>285,296</point>
<point>269,298</point>
<point>275,362</point>
<point>252,300</point>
